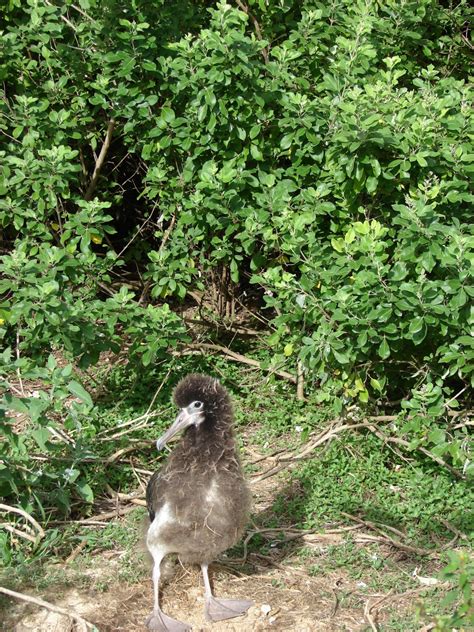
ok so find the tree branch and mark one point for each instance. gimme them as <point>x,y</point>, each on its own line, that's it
<point>100,161</point>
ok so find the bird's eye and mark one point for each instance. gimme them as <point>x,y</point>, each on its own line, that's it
<point>197,405</point>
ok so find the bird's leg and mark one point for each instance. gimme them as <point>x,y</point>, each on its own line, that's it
<point>220,609</point>
<point>158,621</point>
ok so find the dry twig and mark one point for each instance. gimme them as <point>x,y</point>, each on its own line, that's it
<point>237,357</point>
<point>389,540</point>
<point>85,625</point>
<point>38,528</point>
<point>368,611</point>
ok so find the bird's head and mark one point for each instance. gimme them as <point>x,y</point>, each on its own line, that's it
<point>203,403</point>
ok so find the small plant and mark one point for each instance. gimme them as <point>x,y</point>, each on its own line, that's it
<point>460,572</point>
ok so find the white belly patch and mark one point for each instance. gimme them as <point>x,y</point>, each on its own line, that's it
<point>162,517</point>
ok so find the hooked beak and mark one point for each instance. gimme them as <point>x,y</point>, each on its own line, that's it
<point>182,421</point>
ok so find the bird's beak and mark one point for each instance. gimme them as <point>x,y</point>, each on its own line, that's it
<point>182,421</point>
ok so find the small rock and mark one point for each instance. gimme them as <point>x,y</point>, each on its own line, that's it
<point>265,609</point>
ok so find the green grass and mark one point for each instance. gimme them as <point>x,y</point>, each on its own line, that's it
<point>359,475</point>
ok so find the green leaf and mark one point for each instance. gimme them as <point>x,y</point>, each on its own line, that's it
<point>286,141</point>
<point>337,244</point>
<point>375,384</point>
<point>167,114</point>
<point>371,184</point>
<point>384,349</point>
<point>85,491</point>
<point>41,436</point>
<point>342,358</point>
<point>79,391</point>
<point>256,153</point>
<point>416,325</point>
<point>14,403</point>
<point>255,131</point>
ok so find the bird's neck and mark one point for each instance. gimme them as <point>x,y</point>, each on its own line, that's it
<point>207,446</point>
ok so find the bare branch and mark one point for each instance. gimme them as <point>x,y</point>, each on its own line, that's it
<point>100,161</point>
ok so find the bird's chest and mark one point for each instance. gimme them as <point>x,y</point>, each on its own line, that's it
<point>190,504</point>
<point>185,523</point>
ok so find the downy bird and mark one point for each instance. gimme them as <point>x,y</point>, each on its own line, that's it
<point>199,501</point>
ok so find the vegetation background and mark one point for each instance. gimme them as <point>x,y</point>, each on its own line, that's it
<point>282,184</point>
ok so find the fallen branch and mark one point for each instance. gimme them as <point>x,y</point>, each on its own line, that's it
<point>236,329</point>
<point>389,540</point>
<point>389,597</point>
<point>119,453</point>
<point>406,444</point>
<point>237,357</point>
<point>107,515</point>
<point>85,625</point>
<point>282,461</point>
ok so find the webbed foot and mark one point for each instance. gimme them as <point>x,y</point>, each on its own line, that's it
<point>160,622</point>
<point>220,609</point>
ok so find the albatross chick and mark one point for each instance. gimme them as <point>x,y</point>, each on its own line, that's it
<point>199,501</point>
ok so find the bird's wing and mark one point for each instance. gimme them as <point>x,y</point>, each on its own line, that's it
<point>154,494</point>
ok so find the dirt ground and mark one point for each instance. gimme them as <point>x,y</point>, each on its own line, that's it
<point>286,596</point>
<point>281,603</point>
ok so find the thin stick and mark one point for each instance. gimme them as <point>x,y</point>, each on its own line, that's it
<point>85,625</point>
<point>158,390</point>
<point>368,610</point>
<point>127,423</point>
<point>258,32</point>
<point>100,160</point>
<point>369,617</point>
<point>27,517</point>
<point>17,351</point>
<point>299,381</point>
<point>138,232</point>
<point>20,534</point>
<point>82,545</point>
<point>134,428</point>
<point>454,529</point>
